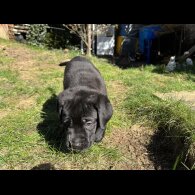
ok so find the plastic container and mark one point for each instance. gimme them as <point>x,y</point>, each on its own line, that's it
<point>146,35</point>
<point>123,30</point>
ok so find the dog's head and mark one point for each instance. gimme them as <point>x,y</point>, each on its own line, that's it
<point>84,116</point>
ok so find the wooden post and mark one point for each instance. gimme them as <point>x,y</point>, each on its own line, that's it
<point>4,31</point>
<point>89,39</point>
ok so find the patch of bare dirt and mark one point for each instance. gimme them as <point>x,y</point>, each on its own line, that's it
<point>3,113</point>
<point>132,144</point>
<point>117,85</point>
<point>27,75</point>
<point>186,96</point>
<point>28,62</point>
<point>26,103</point>
<point>116,92</point>
<point>22,102</point>
<point>159,81</point>
<point>19,53</point>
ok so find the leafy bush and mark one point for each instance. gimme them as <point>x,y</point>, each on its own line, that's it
<point>58,38</point>
<point>55,37</point>
<point>53,40</point>
<point>36,34</point>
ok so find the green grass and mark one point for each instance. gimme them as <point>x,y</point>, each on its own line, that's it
<point>28,118</point>
<point>27,127</point>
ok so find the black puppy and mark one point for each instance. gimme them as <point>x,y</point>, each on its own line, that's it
<point>84,108</point>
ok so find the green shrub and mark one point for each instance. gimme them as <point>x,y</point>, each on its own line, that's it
<point>51,36</point>
<point>36,34</point>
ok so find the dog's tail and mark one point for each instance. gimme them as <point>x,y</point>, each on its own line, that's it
<point>64,63</point>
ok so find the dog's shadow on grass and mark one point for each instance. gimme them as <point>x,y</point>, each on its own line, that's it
<point>163,152</point>
<point>44,166</point>
<point>160,152</point>
<point>49,127</point>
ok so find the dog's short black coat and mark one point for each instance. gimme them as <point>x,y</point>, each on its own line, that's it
<point>84,108</point>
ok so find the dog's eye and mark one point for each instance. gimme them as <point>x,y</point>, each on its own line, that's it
<point>67,121</point>
<point>88,123</point>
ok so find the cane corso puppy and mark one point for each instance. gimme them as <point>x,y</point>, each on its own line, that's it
<point>84,108</point>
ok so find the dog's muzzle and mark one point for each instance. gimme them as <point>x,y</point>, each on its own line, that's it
<point>78,144</point>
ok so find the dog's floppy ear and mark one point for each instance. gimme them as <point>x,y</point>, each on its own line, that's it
<point>105,110</point>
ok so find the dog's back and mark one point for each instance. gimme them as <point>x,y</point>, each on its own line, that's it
<point>80,72</point>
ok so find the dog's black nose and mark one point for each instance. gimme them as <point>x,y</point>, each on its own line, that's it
<point>78,144</point>
<point>74,144</point>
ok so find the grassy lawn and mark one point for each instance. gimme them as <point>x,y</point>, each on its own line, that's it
<point>30,80</point>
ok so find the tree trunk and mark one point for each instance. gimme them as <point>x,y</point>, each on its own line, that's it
<point>89,39</point>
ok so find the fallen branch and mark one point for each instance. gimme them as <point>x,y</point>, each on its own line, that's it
<point>186,55</point>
